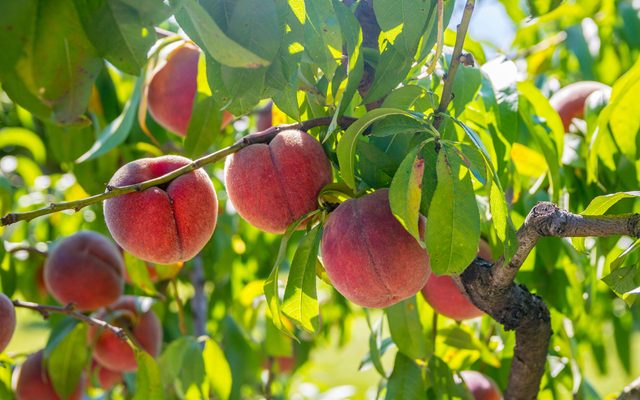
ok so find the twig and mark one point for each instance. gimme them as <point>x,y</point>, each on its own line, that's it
<point>631,392</point>
<point>270,378</point>
<point>258,137</point>
<point>447,91</point>
<point>70,310</point>
<point>199,301</point>
<point>28,249</point>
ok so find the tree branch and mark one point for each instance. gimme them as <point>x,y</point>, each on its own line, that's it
<point>447,91</point>
<point>631,392</point>
<point>70,310</point>
<point>259,137</point>
<point>492,289</point>
<point>547,219</point>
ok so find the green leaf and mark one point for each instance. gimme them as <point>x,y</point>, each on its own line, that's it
<point>405,192</point>
<point>397,124</point>
<point>170,363</point>
<point>409,15</point>
<point>622,112</point>
<point>149,385</point>
<point>300,297</point>
<point>195,20</point>
<point>441,383</point>
<point>352,34</point>
<point>67,358</point>
<point>204,126</point>
<point>392,68</point>
<point>117,32</point>
<point>404,97</point>
<point>16,20</point>
<point>22,137</point>
<point>406,328</point>
<point>453,225</point>
<point>465,85</point>
<point>540,7</point>
<point>406,380</point>
<point>255,26</point>
<point>217,369</point>
<point>624,280</point>
<point>118,130</point>
<point>377,347</point>
<point>139,274</point>
<point>271,287</point>
<point>347,145</point>
<point>322,35</point>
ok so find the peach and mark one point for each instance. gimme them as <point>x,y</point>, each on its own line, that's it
<point>115,354</point>
<point>272,185</point>
<point>33,382</point>
<point>85,269</point>
<point>481,386</point>
<point>162,224</point>
<point>445,298</point>
<point>172,90</point>
<point>7,321</point>
<point>105,377</point>
<point>368,256</point>
<point>569,101</point>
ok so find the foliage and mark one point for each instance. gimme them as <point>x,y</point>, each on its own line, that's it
<point>73,109</point>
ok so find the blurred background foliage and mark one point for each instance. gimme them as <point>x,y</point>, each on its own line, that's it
<point>63,133</point>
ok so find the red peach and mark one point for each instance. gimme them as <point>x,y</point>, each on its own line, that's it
<point>481,386</point>
<point>368,255</point>
<point>7,321</point>
<point>172,90</point>
<point>272,185</point>
<point>569,101</point>
<point>85,269</point>
<point>444,296</point>
<point>115,354</point>
<point>106,378</point>
<point>163,224</point>
<point>33,382</point>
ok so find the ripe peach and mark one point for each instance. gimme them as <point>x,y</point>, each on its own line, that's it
<point>569,101</point>
<point>85,269</point>
<point>7,321</point>
<point>115,354</point>
<point>33,382</point>
<point>445,297</point>
<point>163,224</point>
<point>106,378</point>
<point>481,386</point>
<point>272,185</point>
<point>172,90</point>
<point>369,257</point>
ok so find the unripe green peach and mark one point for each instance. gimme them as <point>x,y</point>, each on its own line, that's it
<point>162,224</point>
<point>32,382</point>
<point>481,386</point>
<point>446,298</point>
<point>85,269</point>
<point>7,321</point>
<point>272,185</point>
<point>368,255</point>
<point>115,354</point>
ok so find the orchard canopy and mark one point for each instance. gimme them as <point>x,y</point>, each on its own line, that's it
<point>319,199</point>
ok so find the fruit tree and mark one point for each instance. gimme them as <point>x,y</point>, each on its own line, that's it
<point>319,199</point>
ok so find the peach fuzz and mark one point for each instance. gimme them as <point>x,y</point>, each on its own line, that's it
<point>481,386</point>
<point>115,354</point>
<point>163,224</point>
<point>445,298</point>
<point>272,185</point>
<point>85,269</point>
<point>172,90</point>
<point>368,255</point>
<point>569,101</point>
<point>7,321</point>
<point>32,381</point>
